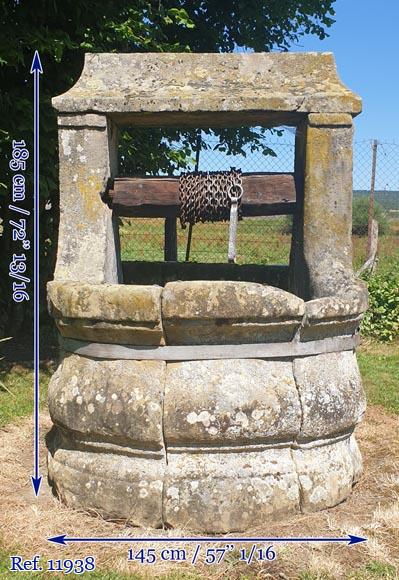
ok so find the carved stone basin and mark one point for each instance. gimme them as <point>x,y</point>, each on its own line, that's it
<point>174,442</point>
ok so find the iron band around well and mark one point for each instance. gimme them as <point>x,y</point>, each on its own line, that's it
<point>270,350</point>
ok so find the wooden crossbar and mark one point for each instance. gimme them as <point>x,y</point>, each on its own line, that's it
<point>264,194</point>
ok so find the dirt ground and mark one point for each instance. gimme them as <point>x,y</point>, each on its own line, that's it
<point>371,511</point>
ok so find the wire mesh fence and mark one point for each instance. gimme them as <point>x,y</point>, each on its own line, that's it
<point>267,240</point>
<point>259,241</point>
<point>386,200</point>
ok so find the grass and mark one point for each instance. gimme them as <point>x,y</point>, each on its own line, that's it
<point>16,388</point>
<point>388,252</point>
<point>379,367</point>
<point>259,241</point>
<point>374,570</point>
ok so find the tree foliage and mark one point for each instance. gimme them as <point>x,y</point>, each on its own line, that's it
<point>63,30</point>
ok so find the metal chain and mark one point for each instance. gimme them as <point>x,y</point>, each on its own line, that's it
<point>205,196</point>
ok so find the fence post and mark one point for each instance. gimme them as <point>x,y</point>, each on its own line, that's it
<point>371,201</point>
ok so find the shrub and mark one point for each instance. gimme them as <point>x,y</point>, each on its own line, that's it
<point>360,216</point>
<point>381,320</point>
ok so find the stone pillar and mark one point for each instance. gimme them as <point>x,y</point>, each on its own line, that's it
<point>321,254</point>
<point>88,244</point>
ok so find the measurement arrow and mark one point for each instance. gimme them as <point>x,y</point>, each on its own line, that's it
<point>36,69</point>
<point>349,539</point>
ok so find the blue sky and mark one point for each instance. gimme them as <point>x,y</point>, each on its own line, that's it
<point>365,42</point>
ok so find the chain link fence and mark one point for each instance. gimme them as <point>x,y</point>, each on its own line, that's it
<point>386,200</point>
<point>267,240</point>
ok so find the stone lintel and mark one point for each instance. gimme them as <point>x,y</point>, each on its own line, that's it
<point>89,120</point>
<point>186,84</point>
<point>330,120</point>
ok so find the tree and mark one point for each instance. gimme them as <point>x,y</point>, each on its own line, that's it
<point>63,30</point>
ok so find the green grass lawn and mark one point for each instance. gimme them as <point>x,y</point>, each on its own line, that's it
<point>379,367</point>
<point>16,392</point>
<point>259,241</point>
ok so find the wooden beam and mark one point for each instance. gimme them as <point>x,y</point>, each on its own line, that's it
<point>264,194</point>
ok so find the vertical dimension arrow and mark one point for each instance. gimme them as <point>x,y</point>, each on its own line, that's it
<point>36,69</point>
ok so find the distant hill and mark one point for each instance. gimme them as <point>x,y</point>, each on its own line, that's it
<point>388,199</point>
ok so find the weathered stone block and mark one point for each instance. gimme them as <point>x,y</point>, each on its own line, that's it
<point>325,473</point>
<point>321,256</point>
<point>330,120</point>
<point>329,328</point>
<point>88,241</point>
<point>356,459</point>
<point>336,315</point>
<point>230,401</point>
<point>350,301</point>
<point>214,312</point>
<point>107,312</point>
<point>331,394</point>
<point>106,302</point>
<point>115,401</point>
<point>114,485</point>
<point>222,492</point>
<point>140,334</point>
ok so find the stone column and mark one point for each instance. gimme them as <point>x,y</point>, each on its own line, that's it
<point>88,244</point>
<point>321,254</point>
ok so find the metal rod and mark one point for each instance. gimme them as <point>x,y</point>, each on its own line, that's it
<point>190,227</point>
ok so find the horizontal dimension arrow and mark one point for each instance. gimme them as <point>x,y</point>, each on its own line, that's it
<point>349,539</point>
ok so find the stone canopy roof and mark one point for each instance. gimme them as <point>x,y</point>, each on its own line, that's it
<point>177,85</point>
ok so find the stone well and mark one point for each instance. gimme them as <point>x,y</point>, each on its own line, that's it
<point>213,405</point>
